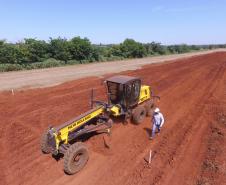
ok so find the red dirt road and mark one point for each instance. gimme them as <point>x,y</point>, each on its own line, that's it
<point>190,150</point>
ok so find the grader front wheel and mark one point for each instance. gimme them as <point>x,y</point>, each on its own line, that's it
<point>45,148</point>
<point>139,114</point>
<point>75,158</point>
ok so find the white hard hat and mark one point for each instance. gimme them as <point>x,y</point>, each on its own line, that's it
<point>157,110</point>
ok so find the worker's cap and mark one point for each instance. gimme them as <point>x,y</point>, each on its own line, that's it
<point>157,110</point>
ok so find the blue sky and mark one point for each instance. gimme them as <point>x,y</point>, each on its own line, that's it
<point>111,21</point>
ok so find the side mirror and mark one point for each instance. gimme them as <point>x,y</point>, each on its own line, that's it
<point>103,82</point>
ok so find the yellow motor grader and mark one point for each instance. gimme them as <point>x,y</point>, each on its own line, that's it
<point>127,98</point>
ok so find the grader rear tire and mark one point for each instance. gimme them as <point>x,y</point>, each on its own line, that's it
<point>75,158</point>
<point>44,144</point>
<point>138,115</point>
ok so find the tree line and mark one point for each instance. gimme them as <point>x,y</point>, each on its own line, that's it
<point>32,53</point>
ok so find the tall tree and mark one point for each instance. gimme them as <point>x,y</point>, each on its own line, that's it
<point>132,49</point>
<point>80,49</point>
<point>59,49</point>
<point>37,50</point>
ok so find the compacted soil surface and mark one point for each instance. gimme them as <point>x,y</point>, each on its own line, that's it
<point>189,150</point>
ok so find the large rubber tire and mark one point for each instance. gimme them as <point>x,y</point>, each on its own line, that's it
<point>139,114</point>
<point>75,158</point>
<point>149,106</point>
<point>44,144</point>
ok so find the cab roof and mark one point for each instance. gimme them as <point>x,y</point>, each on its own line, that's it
<point>122,79</point>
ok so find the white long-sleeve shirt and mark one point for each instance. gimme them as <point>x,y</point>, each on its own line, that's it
<point>158,119</point>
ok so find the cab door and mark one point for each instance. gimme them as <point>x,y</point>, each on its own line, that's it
<point>132,92</point>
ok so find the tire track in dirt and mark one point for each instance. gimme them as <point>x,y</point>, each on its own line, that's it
<point>213,167</point>
<point>192,151</point>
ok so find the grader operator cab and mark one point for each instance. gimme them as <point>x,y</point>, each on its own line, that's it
<point>127,94</point>
<point>126,97</point>
<point>124,90</point>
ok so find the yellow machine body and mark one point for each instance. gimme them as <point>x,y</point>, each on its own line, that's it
<point>115,110</point>
<point>145,93</point>
<point>63,131</point>
<point>62,134</point>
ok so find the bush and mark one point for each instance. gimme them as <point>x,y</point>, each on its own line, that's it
<point>10,67</point>
<point>72,62</point>
<point>80,49</point>
<point>37,65</point>
<point>114,58</point>
<point>110,58</point>
<point>10,53</point>
<point>132,49</point>
<point>51,62</point>
<point>59,49</point>
<point>102,58</point>
<point>155,48</point>
<point>46,64</point>
<point>85,61</point>
<point>36,50</point>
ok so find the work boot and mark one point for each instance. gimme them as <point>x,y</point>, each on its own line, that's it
<point>158,132</point>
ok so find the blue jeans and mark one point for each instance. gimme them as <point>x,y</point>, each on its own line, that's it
<point>154,128</point>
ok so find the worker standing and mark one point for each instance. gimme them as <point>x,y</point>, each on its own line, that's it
<point>158,121</point>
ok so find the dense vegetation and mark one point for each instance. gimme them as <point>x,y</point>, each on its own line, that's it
<point>33,53</point>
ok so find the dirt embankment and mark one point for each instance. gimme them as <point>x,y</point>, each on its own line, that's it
<point>190,150</point>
